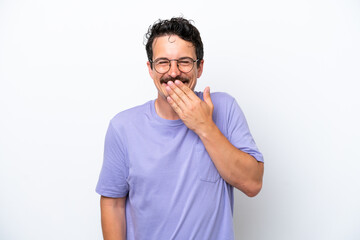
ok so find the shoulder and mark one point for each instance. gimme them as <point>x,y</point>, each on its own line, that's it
<point>222,101</point>
<point>222,97</point>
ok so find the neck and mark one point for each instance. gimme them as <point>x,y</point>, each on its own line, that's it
<point>164,110</point>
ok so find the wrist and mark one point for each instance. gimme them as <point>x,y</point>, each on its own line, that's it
<point>207,131</point>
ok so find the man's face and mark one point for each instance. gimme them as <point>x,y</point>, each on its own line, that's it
<point>173,47</point>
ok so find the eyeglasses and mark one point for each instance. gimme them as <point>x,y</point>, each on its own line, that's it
<point>162,65</point>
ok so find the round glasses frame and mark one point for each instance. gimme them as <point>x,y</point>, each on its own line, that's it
<point>167,62</point>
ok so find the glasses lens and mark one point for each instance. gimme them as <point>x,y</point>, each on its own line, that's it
<point>162,65</point>
<point>185,64</point>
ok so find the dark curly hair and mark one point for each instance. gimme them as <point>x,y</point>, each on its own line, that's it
<point>175,26</point>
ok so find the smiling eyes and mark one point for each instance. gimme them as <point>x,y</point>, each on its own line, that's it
<point>185,65</point>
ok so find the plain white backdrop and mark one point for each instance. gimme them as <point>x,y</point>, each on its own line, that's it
<point>67,67</point>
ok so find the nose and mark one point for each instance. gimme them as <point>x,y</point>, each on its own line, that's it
<point>174,70</point>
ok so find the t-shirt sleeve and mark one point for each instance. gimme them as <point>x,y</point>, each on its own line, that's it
<point>239,132</point>
<point>113,176</point>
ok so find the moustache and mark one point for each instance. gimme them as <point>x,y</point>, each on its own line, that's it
<point>182,79</point>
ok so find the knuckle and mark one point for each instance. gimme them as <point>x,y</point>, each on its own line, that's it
<point>192,107</point>
<point>186,113</point>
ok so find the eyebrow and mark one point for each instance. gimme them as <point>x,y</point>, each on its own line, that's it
<point>164,58</point>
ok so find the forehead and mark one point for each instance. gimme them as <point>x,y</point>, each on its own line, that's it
<point>172,46</point>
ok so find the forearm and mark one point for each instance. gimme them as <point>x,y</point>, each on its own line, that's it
<point>236,167</point>
<point>113,219</point>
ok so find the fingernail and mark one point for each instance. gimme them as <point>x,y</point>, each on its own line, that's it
<point>170,82</point>
<point>177,82</point>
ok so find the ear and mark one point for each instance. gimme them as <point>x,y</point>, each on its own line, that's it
<point>200,68</point>
<point>149,68</point>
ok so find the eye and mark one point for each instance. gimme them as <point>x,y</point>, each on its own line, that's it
<point>163,62</point>
<point>185,61</point>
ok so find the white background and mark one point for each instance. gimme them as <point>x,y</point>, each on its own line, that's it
<point>67,67</point>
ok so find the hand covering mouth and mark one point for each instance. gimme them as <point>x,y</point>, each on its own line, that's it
<point>182,79</point>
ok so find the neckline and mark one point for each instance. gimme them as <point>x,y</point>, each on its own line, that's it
<point>161,120</point>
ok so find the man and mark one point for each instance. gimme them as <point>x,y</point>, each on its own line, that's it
<point>170,165</point>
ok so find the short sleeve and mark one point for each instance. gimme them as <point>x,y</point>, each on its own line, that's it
<point>113,176</point>
<point>239,133</point>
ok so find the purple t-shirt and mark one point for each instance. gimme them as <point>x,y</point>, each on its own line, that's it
<point>173,189</point>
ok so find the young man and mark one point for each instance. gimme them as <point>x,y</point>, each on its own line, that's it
<point>170,165</point>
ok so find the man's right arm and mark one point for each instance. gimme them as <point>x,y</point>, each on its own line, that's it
<point>113,219</point>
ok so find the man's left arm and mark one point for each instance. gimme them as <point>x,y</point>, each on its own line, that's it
<point>236,167</point>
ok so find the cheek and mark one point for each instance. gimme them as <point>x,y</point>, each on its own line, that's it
<point>194,76</point>
<point>156,77</point>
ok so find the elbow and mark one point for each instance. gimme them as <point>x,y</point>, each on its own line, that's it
<point>254,191</point>
<point>250,189</point>
<point>252,184</point>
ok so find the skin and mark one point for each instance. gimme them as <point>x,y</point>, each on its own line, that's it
<point>176,100</point>
<point>113,220</point>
